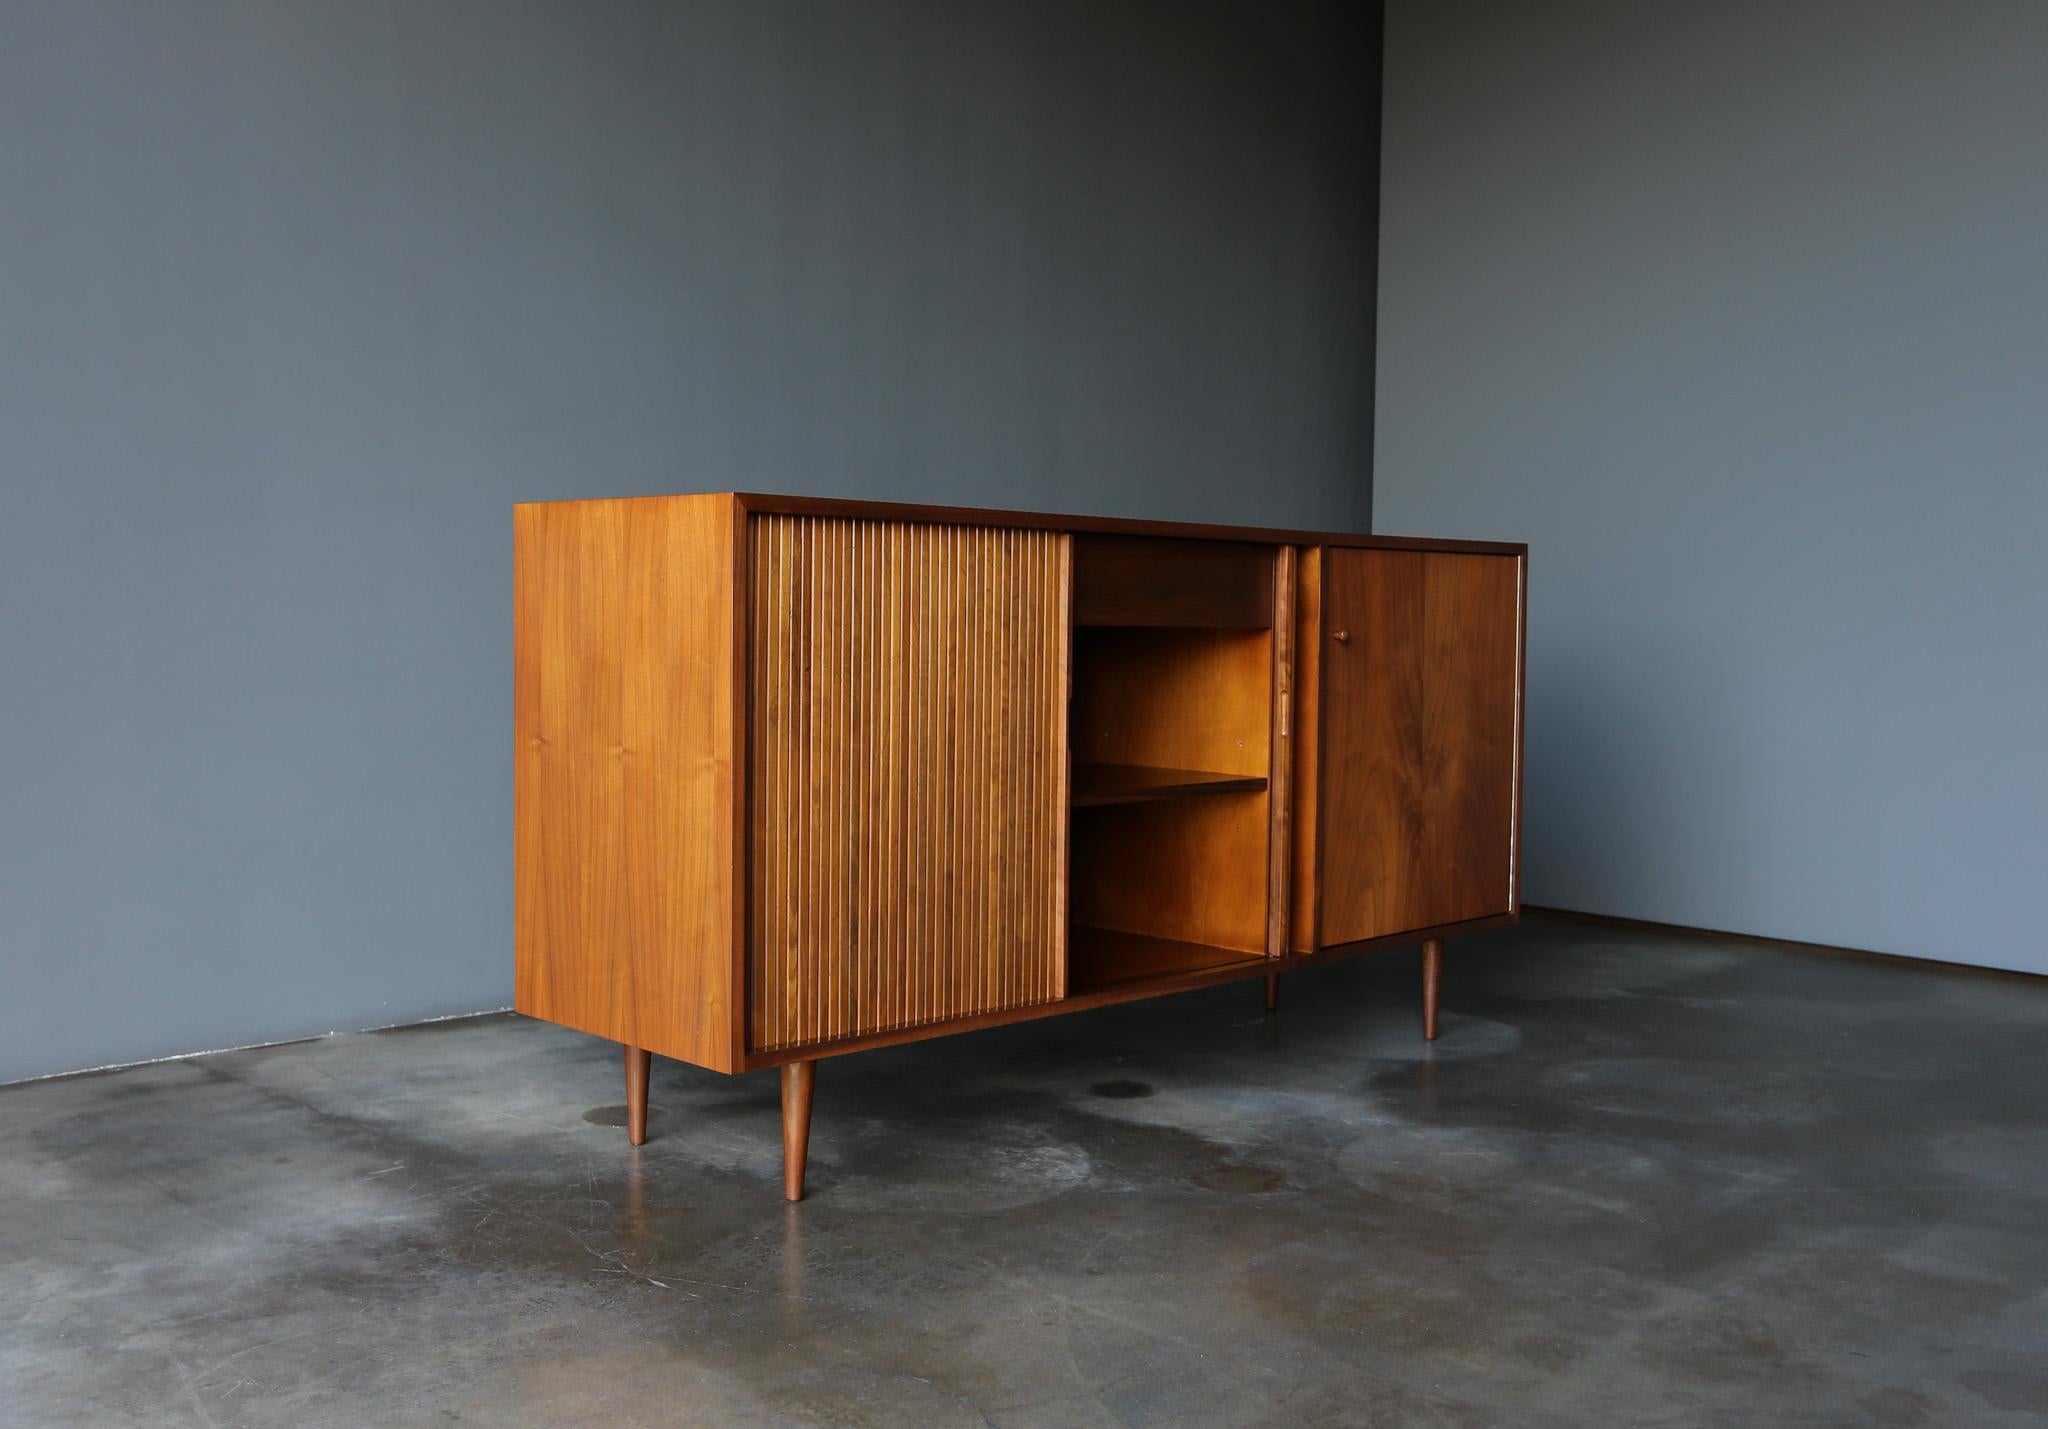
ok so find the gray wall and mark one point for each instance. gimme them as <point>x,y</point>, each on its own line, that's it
<point>299,298</point>
<point>1738,313</point>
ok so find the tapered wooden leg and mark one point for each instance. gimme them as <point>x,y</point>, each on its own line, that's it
<point>637,1060</point>
<point>796,1125</point>
<point>1432,978</point>
<point>1272,991</point>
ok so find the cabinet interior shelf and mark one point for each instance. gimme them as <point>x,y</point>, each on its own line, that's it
<point>1099,958</point>
<point>1097,784</point>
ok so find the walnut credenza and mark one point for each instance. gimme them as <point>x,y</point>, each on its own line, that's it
<point>797,777</point>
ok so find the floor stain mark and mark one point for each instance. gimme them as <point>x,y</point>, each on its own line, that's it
<point>1122,1089</point>
<point>1240,1180</point>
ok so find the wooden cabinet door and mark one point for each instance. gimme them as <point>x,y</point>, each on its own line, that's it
<point>908,775</point>
<point>1420,740</point>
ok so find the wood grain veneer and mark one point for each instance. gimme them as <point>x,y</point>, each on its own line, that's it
<point>1145,581</point>
<point>627,735</point>
<point>1096,784</point>
<point>1280,791</point>
<point>909,775</point>
<point>1106,959</point>
<point>794,777</point>
<point>1419,739</point>
<point>1175,699</point>
<point>1189,870</point>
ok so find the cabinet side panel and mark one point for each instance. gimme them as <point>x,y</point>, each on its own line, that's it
<point>908,775</point>
<point>1421,676</point>
<point>624,787</point>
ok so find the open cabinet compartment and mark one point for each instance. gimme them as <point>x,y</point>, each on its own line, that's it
<point>1177,759</point>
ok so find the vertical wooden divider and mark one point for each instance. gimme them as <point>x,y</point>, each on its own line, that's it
<point>1280,781</point>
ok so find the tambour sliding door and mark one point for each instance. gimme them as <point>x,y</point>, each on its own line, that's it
<point>908,773</point>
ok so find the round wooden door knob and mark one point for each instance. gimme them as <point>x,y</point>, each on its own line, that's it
<point>1342,637</point>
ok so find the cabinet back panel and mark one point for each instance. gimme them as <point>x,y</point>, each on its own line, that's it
<point>909,771</point>
<point>1193,870</point>
<point>1177,699</point>
<point>1147,581</point>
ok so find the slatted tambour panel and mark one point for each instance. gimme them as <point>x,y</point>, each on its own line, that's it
<point>909,765</point>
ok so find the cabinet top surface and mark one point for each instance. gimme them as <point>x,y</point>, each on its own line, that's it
<point>750,501</point>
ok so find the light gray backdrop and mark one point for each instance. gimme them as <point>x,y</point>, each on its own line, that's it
<point>1738,313</point>
<point>297,299</point>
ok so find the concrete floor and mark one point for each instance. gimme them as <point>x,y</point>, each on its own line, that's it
<point>1642,1179</point>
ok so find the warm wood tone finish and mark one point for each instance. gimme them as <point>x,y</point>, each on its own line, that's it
<point>1174,699</point>
<point>1192,870</point>
<point>1521,686</point>
<point>1081,997</point>
<point>1096,784</point>
<point>1105,959</point>
<point>1307,744</point>
<point>1132,580</point>
<point>1419,740</point>
<point>757,502</point>
<point>908,776</point>
<point>1187,869</point>
<point>638,1061</point>
<point>797,1080</point>
<point>1432,983</point>
<point>627,732</point>
<point>795,777</point>
<point>1280,800</point>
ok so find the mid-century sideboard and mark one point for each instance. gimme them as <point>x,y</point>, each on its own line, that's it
<point>797,777</point>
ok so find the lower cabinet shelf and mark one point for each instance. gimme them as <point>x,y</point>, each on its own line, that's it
<point>1095,785</point>
<point>1098,958</point>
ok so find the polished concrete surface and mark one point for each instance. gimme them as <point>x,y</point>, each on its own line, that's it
<point>1642,1179</point>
